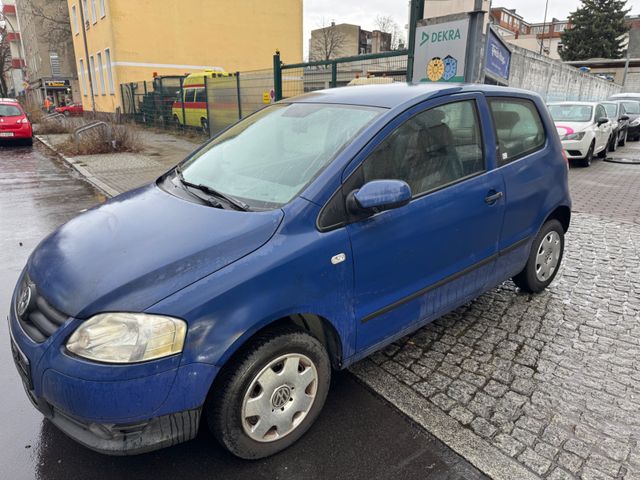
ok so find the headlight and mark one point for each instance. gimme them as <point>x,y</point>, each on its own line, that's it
<point>635,122</point>
<point>127,337</point>
<point>573,136</point>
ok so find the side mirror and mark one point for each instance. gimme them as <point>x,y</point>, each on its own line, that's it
<point>602,121</point>
<point>624,118</point>
<point>379,195</point>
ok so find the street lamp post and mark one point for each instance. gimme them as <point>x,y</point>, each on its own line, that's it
<point>86,56</point>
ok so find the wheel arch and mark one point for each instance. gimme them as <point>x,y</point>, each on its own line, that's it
<point>561,213</point>
<point>317,326</point>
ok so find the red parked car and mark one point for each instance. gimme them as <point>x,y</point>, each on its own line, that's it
<point>14,124</point>
<point>68,110</point>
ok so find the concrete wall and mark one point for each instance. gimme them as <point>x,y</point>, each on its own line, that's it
<point>556,81</point>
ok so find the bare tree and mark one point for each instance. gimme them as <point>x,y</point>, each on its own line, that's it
<point>5,62</point>
<point>52,17</point>
<point>326,42</point>
<point>386,24</point>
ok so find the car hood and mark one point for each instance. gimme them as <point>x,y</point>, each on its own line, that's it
<point>140,247</point>
<point>565,128</point>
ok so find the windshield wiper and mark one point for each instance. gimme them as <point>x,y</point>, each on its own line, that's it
<point>234,202</point>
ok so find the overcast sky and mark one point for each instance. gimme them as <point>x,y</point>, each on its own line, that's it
<point>363,12</point>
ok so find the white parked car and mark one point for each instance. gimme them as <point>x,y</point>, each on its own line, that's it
<point>584,129</point>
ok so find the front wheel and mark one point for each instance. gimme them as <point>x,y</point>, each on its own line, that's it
<point>613,142</point>
<point>269,397</point>
<point>586,161</point>
<point>544,259</point>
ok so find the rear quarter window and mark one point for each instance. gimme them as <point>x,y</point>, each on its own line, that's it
<point>519,128</point>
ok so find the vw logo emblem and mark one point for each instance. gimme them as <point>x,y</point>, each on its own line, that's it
<point>281,396</point>
<point>24,299</point>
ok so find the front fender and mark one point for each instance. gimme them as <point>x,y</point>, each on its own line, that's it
<point>291,274</point>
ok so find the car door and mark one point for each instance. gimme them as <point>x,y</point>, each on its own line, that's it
<point>602,131</point>
<point>525,162</point>
<point>414,263</point>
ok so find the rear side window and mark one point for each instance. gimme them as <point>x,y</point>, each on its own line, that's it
<point>10,111</point>
<point>518,126</point>
<point>434,148</point>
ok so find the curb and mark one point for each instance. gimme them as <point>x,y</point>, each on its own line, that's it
<point>76,165</point>
<point>477,451</point>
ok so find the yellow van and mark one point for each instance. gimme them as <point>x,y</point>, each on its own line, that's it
<point>190,108</point>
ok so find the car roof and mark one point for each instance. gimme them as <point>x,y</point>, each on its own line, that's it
<point>625,96</point>
<point>8,100</point>
<point>399,93</point>
<point>590,104</point>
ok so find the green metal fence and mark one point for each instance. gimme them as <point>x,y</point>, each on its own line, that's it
<point>294,79</point>
<point>152,102</point>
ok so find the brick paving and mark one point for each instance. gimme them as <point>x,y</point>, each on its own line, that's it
<point>548,382</point>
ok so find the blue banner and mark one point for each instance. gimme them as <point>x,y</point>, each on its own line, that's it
<point>498,58</point>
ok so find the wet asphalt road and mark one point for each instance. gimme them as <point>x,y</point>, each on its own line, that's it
<point>358,435</point>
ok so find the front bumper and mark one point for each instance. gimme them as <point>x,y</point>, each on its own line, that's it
<point>577,149</point>
<point>112,409</point>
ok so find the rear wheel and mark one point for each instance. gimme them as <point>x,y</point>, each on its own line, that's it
<point>204,124</point>
<point>544,259</point>
<point>613,142</point>
<point>270,396</point>
<point>67,113</point>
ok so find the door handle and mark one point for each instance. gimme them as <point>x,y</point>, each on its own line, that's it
<point>492,197</point>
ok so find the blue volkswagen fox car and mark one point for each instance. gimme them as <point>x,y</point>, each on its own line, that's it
<point>301,239</point>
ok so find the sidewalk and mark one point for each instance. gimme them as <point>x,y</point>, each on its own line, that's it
<point>114,173</point>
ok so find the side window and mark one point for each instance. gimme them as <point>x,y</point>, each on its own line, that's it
<point>600,112</point>
<point>432,149</point>
<point>188,94</point>
<point>518,126</point>
<point>201,95</point>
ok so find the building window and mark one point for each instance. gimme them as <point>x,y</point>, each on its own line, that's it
<point>74,18</point>
<point>55,64</point>
<point>85,13</point>
<point>83,75</point>
<point>107,55</point>
<point>94,14</point>
<point>103,90</point>
<point>92,72</point>
<point>103,10</point>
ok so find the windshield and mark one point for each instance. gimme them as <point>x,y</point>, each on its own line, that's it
<point>632,107</point>
<point>267,159</point>
<point>612,109</point>
<point>10,111</point>
<point>571,113</point>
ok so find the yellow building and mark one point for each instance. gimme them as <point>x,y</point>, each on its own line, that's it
<point>130,40</point>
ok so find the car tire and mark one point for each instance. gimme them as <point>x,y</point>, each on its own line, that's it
<point>613,142</point>
<point>586,161</point>
<point>28,142</point>
<point>67,113</point>
<point>623,140</point>
<point>544,259</point>
<point>253,377</point>
<point>204,124</point>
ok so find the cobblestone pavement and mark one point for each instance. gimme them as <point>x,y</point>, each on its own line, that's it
<point>610,190</point>
<point>548,382</point>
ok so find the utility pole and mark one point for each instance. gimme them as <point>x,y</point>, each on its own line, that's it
<point>544,25</point>
<point>86,55</point>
